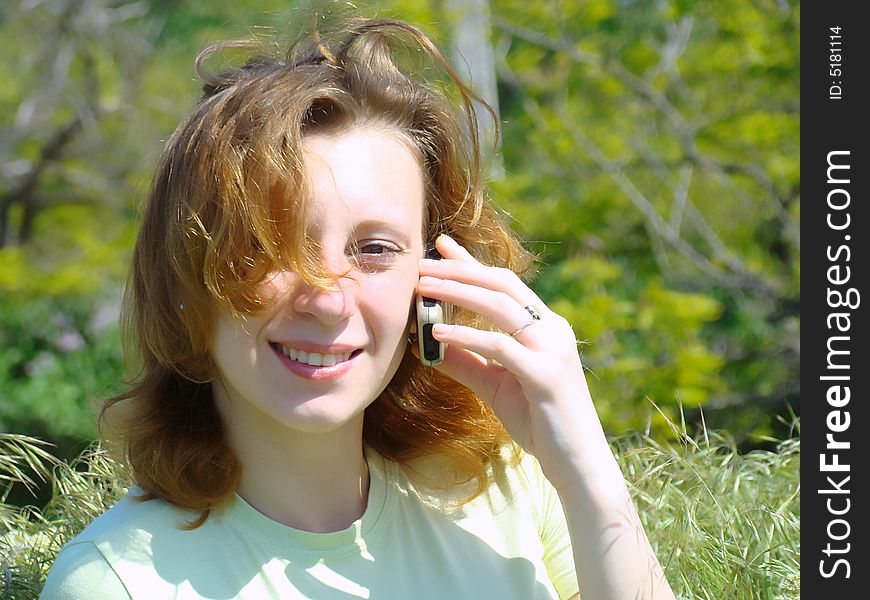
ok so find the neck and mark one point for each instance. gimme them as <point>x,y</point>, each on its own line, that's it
<point>316,482</point>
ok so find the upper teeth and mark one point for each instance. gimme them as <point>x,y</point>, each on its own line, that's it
<point>313,358</point>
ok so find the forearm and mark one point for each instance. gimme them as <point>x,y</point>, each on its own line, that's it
<point>612,555</point>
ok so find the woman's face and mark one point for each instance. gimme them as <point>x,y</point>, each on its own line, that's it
<point>314,359</point>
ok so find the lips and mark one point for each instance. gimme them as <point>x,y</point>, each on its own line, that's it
<point>314,361</point>
<point>311,358</point>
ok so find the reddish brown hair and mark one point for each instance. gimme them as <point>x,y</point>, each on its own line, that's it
<point>228,205</point>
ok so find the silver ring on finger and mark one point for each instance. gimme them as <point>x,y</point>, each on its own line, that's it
<point>534,317</point>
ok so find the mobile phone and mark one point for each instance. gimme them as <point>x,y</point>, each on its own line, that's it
<point>429,313</point>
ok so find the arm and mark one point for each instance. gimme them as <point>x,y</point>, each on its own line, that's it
<point>536,386</point>
<point>612,554</point>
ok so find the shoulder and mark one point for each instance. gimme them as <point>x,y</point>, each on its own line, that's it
<point>525,468</point>
<point>515,483</point>
<point>81,572</point>
<point>96,562</point>
<point>134,521</point>
<point>518,476</point>
<point>517,517</point>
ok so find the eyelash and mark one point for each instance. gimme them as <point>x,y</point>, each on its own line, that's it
<point>388,253</point>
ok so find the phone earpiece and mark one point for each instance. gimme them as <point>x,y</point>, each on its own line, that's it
<point>429,313</point>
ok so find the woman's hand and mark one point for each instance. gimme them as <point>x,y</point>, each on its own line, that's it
<point>533,379</point>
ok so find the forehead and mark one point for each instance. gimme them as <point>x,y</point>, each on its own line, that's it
<point>365,172</point>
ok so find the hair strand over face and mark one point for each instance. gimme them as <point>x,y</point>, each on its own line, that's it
<point>227,207</point>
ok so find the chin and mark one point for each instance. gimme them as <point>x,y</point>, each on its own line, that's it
<point>320,415</point>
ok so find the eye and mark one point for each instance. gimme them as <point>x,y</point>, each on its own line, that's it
<point>373,253</point>
<point>378,248</point>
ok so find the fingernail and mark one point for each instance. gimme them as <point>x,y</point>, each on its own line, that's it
<point>447,238</point>
<point>430,281</point>
<point>441,329</point>
<point>428,262</point>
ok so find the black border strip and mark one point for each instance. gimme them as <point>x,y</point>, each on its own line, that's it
<point>834,101</point>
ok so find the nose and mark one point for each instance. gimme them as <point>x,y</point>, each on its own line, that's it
<point>330,305</point>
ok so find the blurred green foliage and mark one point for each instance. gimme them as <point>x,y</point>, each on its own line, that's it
<point>650,156</point>
<point>59,354</point>
<point>652,152</point>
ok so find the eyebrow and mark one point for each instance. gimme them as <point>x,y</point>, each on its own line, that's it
<point>386,225</point>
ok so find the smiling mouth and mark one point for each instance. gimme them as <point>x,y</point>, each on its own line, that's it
<point>313,359</point>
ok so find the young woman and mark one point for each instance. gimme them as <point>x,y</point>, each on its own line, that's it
<point>284,437</point>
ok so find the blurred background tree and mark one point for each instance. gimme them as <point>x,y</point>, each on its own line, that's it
<point>653,148</point>
<point>649,154</point>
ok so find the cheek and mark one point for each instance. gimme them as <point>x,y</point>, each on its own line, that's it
<point>388,301</point>
<point>224,338</point>
<point>234,341</point>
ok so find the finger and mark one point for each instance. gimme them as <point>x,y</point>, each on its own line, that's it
<point>450,248</point>
<point>500,308</point>
<point>475,273</point>
<point>480,375</point>
<point>512,355</point>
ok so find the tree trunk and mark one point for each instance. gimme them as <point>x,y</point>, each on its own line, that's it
<point>474,59</point>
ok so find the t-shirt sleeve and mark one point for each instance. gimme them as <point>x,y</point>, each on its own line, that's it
<point>82,573</point>
<point>558,552</point>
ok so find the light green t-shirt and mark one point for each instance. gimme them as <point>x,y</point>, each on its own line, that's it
<point>510,542</point>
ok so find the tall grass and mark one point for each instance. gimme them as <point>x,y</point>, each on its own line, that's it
<point>31,538</point>
<point>725,525</point>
